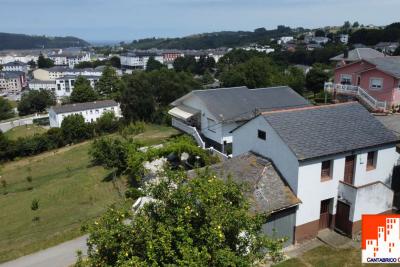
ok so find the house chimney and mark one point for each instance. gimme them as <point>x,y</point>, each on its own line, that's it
<point>346,53</point>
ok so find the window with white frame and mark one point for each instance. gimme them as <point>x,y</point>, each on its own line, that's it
<point>345,78</point>
<point>375,83</point>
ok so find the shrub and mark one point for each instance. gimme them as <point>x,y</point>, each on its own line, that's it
<point>133,128</point>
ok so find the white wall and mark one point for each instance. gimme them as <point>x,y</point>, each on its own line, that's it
<point>372,199</point>
<point>311,190</point>
<point>90,115</point>
<point>386,160</point>
<point>216,134</point>
<point>245,139</point>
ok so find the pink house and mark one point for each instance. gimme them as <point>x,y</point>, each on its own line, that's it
<point>374,80</point>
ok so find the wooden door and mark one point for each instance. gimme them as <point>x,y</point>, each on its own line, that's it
<point>342,222</point>
<point>349,170</point>
<point>324,221</point>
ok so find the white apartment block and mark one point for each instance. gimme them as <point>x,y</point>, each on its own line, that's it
<point>138,61</point>
<point>69,59</point>
<point>66,84</point>
<point>91,111</point>
<point>57,72</point>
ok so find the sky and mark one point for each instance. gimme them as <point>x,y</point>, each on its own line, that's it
<point>126,20</point>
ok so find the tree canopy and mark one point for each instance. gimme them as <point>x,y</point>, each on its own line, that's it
<point>74,128</point>
<point>6,110</point>
<point>83,91</point>
<point>316,78</point>
<point>153,64</point>
<point>35,101</point>
<point>44,62</point>
<point>109,85</point>
<point>146,94</point>
<point>202,221</point>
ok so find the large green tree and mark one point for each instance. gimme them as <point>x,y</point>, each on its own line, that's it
<point>83,91</point>
<point>202,221</point>
<point>316,78</point>
<point>109,84</point>
<point>6,110</point>
<point>153,64</point>
<point>36,101</point>
<point>44,62</point>
<point>74,129</point>
<point>145,94</point>
<point>254,73</point>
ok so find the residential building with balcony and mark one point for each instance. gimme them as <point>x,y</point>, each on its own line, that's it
<point>338,160</point>
<point>374,81</point>
<point>210,115</point>
<point>12,82</point>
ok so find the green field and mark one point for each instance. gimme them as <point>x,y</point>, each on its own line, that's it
<point>25,131</point>
<point>69,190</point>
<point>325,256</point>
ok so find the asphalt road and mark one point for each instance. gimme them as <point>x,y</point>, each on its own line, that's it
<point>62,255</point>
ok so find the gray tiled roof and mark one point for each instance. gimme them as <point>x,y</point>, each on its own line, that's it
<point>84,106</point>
<point>15,63</point>
<point>239,103</point>
<point>328,130</point>
<point>267,190</point>
<point>11,74</point>
<point>389,65</point>
<point>358,54</point>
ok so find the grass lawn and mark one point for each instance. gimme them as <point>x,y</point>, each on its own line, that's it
<point>69,190</point>
<point>25,131</point>
<point>325,256</point>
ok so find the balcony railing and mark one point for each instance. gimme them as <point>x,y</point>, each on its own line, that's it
<point>189,130</point>
<point>358,92</point>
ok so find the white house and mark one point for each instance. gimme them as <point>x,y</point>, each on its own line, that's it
<point>16,66</point>
<point>210,115</point>
<point>337,159</point>
<point>138,60</point>
<point>91,111</point>
<point>285,39</point>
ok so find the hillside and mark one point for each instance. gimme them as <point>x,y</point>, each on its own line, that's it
<point>215,39</point>
<point>22,41</point>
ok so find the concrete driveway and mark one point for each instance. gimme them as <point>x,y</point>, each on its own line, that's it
<point>62,255</point>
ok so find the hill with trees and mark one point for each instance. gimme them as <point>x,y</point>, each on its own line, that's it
<point>390,33</point>
<point>23,41</point>
<point>216,39</point>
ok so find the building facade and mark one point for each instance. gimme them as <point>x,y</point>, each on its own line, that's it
<point>337,159</point>
<point>210,115</point>
<point>12,82</point>
<point>91,111</point>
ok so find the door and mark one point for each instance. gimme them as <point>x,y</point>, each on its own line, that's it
<point>342,222</point>
<point>349,170</point>
<point>324,218</point>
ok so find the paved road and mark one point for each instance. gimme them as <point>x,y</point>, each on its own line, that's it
<point>62,255</point>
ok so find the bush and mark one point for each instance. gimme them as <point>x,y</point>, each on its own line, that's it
<point>133,128</point>
<point>107,123</point>
<point>133,193</point>
<point>74,129</point>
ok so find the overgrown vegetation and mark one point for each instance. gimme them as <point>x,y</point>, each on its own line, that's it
<point>73,129</point>
<point>202,221</point>
<point>36,101</point>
